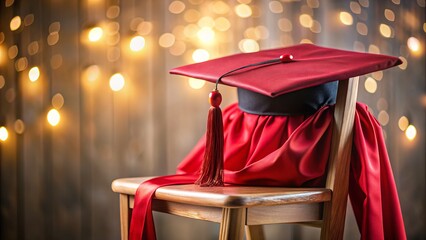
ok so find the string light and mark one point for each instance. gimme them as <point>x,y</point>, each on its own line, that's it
<point>403,123</point>
<point>370,85</point>
<point>4,134</point>
<point>92,73</point>
<point>116,82</point>
<point>206,35</point>
<point>53,117</point>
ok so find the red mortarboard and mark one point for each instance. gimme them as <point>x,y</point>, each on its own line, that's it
<point>311,65</point>
<point>273,73</point>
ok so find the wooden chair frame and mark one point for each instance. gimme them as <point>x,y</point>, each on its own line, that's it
<point>241,209</point>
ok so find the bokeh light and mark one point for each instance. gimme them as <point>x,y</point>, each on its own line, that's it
<point>206,35</point>
<point>346,18</point>
<point>19,126</point>
<point>200,55</point>
<point>137,43</point>
<point>196,83</point>
<point>167,40</point>
<point>243,10</point>
<point>34,74</point>
<point>403,123</point>
<point>15,23</point>
<point>4,134</point>
<point>411,132</point>
<point>95,34</point>
<point>116,82</point>
<point>413,44</point>
<point>370,85</point>
<point>177,7</point>
<point>53,117</point>
<point>385,30</point>
<point>58,101</point>
<point>306,20</point>
<point>91,73</point>
<point>248,45</point>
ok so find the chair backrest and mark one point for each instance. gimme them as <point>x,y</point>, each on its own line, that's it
<point>339,160</point>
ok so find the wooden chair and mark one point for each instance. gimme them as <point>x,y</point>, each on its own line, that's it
<point>239,208</point>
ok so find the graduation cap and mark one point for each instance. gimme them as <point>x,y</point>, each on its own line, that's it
<point>272,74</point>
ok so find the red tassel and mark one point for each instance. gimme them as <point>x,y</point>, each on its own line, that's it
<point>212,168</point>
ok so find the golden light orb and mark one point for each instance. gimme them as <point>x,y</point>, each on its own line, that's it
<point>34,74</point>
<point>206,35</point>
<point>15,23</point>
<point>53,117</point>
<point>346,18</point>
<point>95,34</point>
<point>403,123</point>
<point>413,44</point>
<point>196,83</point>
<point>411,132</point>
<point>137,43</point>
<point>243,10</point>
<point>200,55</point>
<point>4,134</point>
<point>370,85</point>
<point>116,82</point>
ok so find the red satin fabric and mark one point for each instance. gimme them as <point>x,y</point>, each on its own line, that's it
<point>293,151</point>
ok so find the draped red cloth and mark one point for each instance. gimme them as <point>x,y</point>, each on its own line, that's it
<point>293,151</point>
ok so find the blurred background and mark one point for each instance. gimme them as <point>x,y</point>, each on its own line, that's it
<point>85,98</point>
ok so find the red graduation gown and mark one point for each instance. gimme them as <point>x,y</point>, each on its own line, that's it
<point>293,151</point>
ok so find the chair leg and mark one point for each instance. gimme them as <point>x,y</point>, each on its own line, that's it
<point>232,225</point>
<point>255,232</point>
<point>124,216</point>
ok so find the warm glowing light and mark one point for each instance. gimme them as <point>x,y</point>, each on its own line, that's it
<point>206,22</point>
<point>404,63</point>
<point>33,48</point>
<point>362,28</point>
<point>316,27</point>
<point>383,118</point>
<point>306,20</point>
<point>19,126</point>
<point>12,52</point>
<point>4,134</point>
<point>196,83</point>
<point>206,35</point>
<point>370,85</point>
<point>167,40</point>
<point>373,49</point>
<point>53,117</point>
<point>2,81</point>
<point>176,7</point>
<point>411,132</point>
<point>200,55</point>
<point>389,15</point>
<point>285,25</point>
<point>3,54</point>
<point>34,74</point>
<point>222,24</point>
<point>113,12</point>
<point>116,82</point>
<point>137,43</point>
<point>355,7</point>
<point>243,10</point>
<point>178,48</point>
<point>220,7</point>
<point>248,45</point>
<point>403,123</point>
<point>346,18</point>
<point>413,44</point>
<point>21,64</point>
<point>15,23</point>
<point>275,7</point>
<point>144,28</point>
<point>92,73</point>
<point>58,101</point>
<point>95,34</point>
<point>191,15</point>
<point>385,30</point>
<point>53,38</point>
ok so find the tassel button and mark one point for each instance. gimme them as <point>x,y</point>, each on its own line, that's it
<point>215,98</point>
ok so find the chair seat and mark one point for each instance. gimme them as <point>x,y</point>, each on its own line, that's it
<point>227,196</point>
